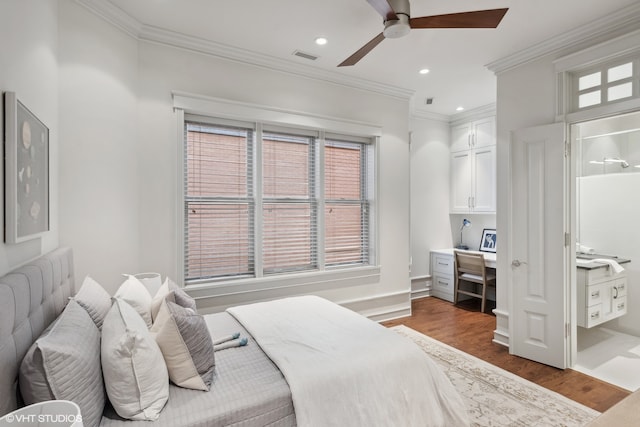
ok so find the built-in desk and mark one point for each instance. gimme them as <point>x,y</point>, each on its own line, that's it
<point>443,271</point>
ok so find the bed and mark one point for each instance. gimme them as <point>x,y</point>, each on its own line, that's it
<point>308,362</point>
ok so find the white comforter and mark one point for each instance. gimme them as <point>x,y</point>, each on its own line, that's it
<point>346,370</point>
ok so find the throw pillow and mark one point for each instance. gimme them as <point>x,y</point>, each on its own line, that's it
<point>170,290</point>
<point>186,344</point>
<point>137,296</point>
<point>93,298</point>
<point>134,370</point>
<point>64,364</point>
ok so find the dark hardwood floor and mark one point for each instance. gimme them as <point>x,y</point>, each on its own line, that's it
<point>465,328</point>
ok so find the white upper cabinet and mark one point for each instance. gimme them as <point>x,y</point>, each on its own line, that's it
<point>473,167</point>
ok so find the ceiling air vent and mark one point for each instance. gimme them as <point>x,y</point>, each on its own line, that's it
<point>305,55</point>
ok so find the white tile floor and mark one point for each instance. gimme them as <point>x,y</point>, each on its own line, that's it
<point>610,356</point>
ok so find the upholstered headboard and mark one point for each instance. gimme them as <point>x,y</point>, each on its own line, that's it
<point>31,297</point>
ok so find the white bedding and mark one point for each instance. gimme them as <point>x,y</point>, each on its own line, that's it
<point>346,370</point>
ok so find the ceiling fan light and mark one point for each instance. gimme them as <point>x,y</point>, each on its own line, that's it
<point>394,29</point>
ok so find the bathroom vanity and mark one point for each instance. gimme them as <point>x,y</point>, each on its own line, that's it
<point>602,293</point>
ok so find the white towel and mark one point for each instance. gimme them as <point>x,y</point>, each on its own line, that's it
<point>614,267</point>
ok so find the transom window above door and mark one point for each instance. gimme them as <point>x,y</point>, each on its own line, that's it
<point>605,84</point>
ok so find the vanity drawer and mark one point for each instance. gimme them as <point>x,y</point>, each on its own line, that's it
<point>595,294</point>
<point>619,306</point>
<point>443,264</point>
<point>594,315</point>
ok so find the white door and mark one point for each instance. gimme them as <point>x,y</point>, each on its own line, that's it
<point>537,245</point>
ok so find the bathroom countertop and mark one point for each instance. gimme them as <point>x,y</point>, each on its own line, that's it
<point>586,260</point>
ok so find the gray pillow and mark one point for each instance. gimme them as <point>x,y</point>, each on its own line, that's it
<point>186,344</point>
<point>64,364</point>
<point>93,298</point>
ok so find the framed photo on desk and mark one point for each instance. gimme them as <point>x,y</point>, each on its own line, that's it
<point>488,242</point>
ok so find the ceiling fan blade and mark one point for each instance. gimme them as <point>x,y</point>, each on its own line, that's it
<point>360,53</point>
<point>383,8</point>
<point>478,19</point>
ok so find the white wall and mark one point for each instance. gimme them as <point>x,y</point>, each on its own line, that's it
<point>430,228</point>
<point>164,69</point>
<point>100,181</point>
<point>28,67</point>
<point>609,209</point>
<point>120,153</point>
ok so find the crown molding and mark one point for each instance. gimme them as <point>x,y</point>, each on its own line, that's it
<point>624,20</point>
<point>473,114</point>
<point>113,15</point>
<point>143,32</point>
<point>419,114</point>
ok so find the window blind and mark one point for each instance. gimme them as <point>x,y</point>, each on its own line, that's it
<point>219,204</point>
<point>254,203</point>
<point>289,206</point>
<point>346,203</point>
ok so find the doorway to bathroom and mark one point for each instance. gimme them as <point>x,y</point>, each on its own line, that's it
<point>607,204</point>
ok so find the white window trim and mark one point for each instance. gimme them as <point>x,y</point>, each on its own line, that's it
<point>194,104</point>
<point>610,52</point>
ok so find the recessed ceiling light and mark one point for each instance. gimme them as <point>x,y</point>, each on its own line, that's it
<point>321,41</point>
<point>424,71</point>
<point>459,108</point>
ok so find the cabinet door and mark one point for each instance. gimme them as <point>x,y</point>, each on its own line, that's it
<point>484,133</point>
<point>460,181</point>
<point>460,138</point>
<point>484,179</point>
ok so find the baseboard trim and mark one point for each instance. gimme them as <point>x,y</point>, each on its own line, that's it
<point>381,308</point>
<point>420,294</point>
<point>501,333</point>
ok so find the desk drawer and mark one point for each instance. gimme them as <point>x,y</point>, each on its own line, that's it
<point>443,285</point>
<point>443,264</point>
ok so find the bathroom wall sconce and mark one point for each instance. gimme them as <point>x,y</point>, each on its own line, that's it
<point>465,223</point>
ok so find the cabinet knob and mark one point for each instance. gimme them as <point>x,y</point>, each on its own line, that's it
<point>595,294</point>
<point>595,315</point>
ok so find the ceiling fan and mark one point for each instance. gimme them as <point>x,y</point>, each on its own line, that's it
<point>398,22</point>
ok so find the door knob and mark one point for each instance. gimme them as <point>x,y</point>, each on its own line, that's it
<point>517,263</point>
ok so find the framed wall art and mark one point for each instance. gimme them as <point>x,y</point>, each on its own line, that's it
<point>488,242</point>
<point>26,153</point>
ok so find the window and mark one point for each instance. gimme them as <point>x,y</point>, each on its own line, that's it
<point>611,82</point>
<point>262,200</point>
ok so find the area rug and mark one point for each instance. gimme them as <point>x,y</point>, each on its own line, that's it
<point>496,397</point>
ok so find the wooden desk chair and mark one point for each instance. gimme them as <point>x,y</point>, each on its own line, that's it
<point>470,267</point>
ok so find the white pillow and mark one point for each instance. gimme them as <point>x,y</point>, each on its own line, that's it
<point>159,297</point>
<point>135,374</point>
<point>186,344</point>
<point>136,294</point>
